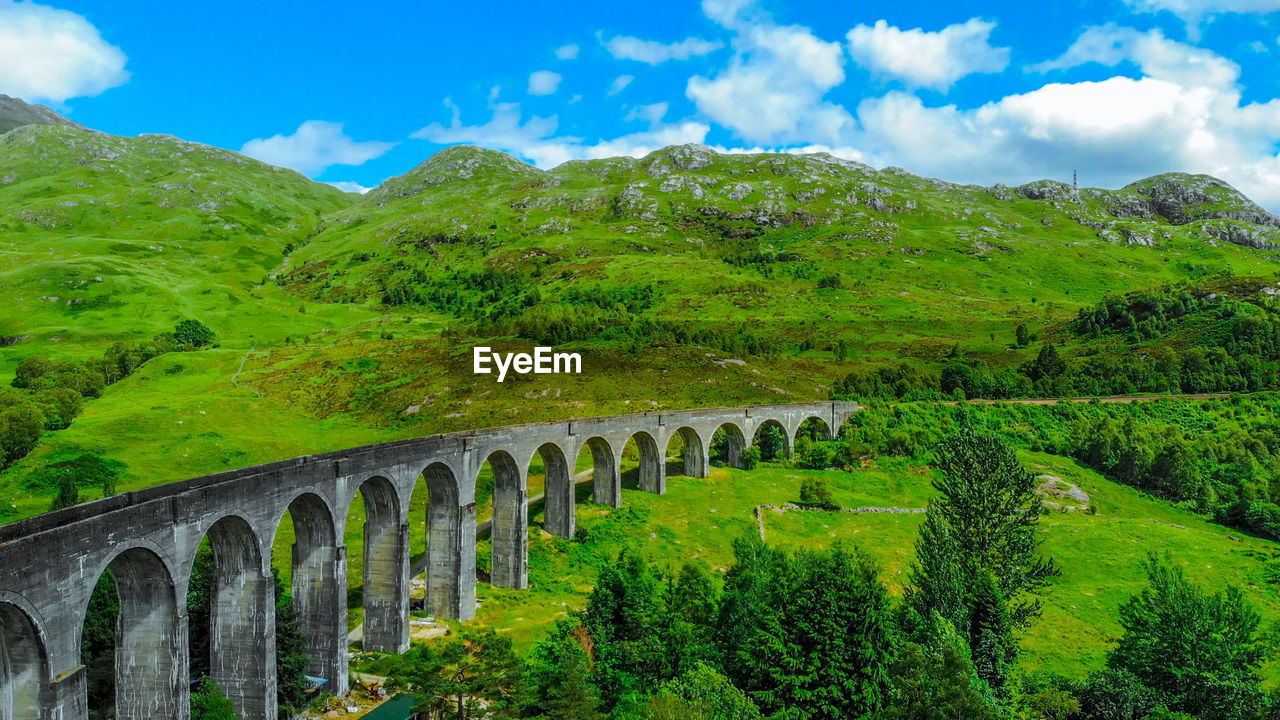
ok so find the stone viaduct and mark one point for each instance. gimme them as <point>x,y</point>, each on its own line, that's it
<point>148,540</point>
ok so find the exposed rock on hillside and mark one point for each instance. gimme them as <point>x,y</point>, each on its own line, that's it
<point>1181,198</point>
<point>460,163</point>
<point>14,112</point>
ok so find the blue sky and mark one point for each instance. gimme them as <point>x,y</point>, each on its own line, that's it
<point>353,93</point>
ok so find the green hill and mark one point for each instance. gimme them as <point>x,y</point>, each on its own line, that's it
<point>686,278</point>
<point>108,238</point>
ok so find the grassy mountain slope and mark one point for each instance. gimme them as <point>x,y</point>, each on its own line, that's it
<point>685,278</point>
<point>15,113</point>
<point>805,248</point>
<point>109,238</point>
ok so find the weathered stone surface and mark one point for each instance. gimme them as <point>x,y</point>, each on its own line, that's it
<point>49,564</point>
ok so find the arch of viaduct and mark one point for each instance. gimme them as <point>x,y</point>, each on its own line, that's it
<point>148,540</point>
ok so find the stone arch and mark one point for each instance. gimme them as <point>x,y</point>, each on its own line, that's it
<point>606,482</point>
<point>819,427</point>
<point>765,452</point>
<point>693,454</point>
<point>385,583</point>
<point>450,560</point>
<point>318,576</point>
<point>510,527</point>
<point>559,494</point>
<point>734,443</point>
<point>150,637</point>
<point>653,470</point>
<point>242,618</point>
<point>24,663</point>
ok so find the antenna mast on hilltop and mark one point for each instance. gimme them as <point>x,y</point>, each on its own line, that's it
<point>1075,180</point>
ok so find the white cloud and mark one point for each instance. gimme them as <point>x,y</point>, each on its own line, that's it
<point>567,52</point>
<point>52,55</point>
<point>544,82</point>
<point>504,131</point>
<point>620,83</point>
<point>1114,131</point>
<point>773,89</point>
<point>315,146</point>
<point>624,47</point>
<point>1192,11</point>
<point>928,59</point>
<point>651,114</point>
<point>535,139</point>
<point>349,186</point>
<point>1154,54</point>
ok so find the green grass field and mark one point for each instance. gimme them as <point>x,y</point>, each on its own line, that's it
<point>1100,555</point>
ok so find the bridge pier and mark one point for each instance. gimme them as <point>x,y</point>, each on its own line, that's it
<point>560,494</point>
<point>66,698</point>
<point>242,642</point>
<point>386,588</point>
<point>509,532</point>
<point>48,563</point>
<point>653,465</point>
<point>606,480</point>
<point>320,606</point>
<point>151,641</point>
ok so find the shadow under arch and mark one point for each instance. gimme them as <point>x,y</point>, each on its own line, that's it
<point>774,441</point>
<point>450,574</point>
<point>692,453</point>
<point>385,579</point>
<point>24,665</point>
<point>558,495</point>
<point>318,587</point>
<point>652,471</point>
<point>606,483</point>
<point>727,444</point>
<point>813,428</point>
<point>510,525</point>
<point>242,616</point>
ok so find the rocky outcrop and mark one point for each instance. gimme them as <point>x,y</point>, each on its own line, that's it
<point>1248,235</point>
<point>1181,198</point>
<point>14,112</point>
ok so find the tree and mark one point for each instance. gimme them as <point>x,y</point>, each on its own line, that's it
<point>933,679</point>
<point>68,494</point>
<point>814,491</point>
<point>1201,652</point>
<point>748,458</point>
<point>560,674</point>
<point>1048,364</point>
<point>702,692</point>
<point>193,333</point>
<point>59,406</point>
<point>20,430</point>
<point>291,653</point>
<point>98,647</point>
<point>208,702</point>
<point>819,643</point>
<point>624,617</point>
<point>1021,336</point>
<point>691,612</point>
<point>977,549</point>
<point>772,442</point>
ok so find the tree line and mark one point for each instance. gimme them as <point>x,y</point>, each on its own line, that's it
<point>814,633</point>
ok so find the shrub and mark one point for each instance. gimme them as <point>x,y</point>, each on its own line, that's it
<point>814,491</point>
<point>193,333</point>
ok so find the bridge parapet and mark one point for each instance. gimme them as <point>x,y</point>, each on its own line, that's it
<point>148,539</point>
